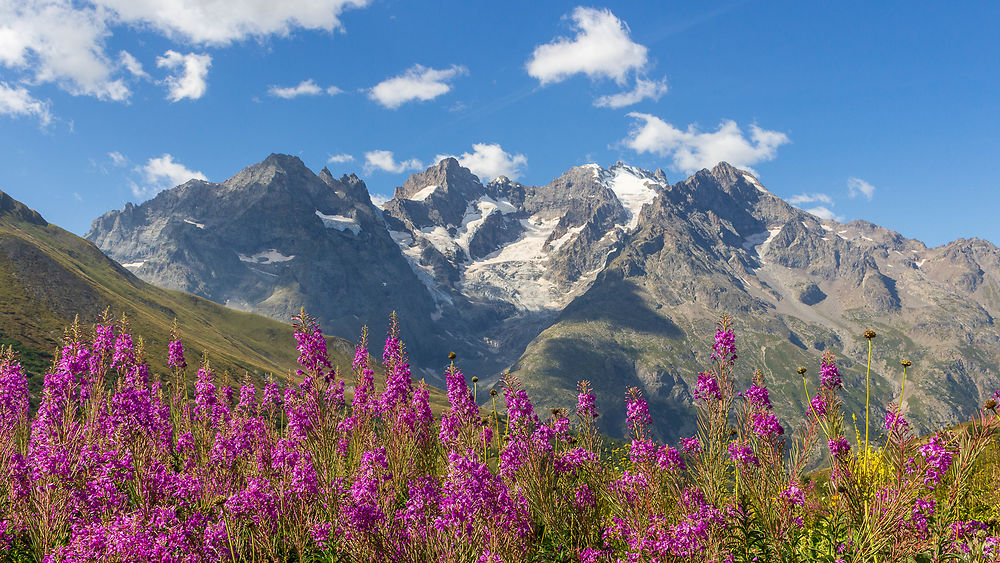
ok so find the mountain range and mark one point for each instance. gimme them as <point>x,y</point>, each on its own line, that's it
<point>613,275</point>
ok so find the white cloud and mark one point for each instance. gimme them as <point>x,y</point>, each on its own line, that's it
<point>602,48</point>
<point>117,158</point>
<point>304,88</point>
<point>189,82</point>
<point>54,41</point>
<point>18,102</point>
<point>339,158</point>
<point>65,41</point>
<point>643,89</point>
<point>163,173</point>
<point>132,65</point>
<point>417,83</point>
<point>386,161</point>
<point>378,200</point>
<point>856,186</point>
<point>489,161</point>
<point>224,21</point>
<point>693,150</point>
<point>824,213</point>
<point>810,198</point>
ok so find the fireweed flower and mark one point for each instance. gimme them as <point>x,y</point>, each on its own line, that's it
<point>743,455</point>
<point>708,387</point>
<point>637,410</point>
<point>895,423</point>
<point>758,397</point>
<point>766,425</point>
<point>586,406</point>
<point>13,392</point>
<point>937,458</point>
<point>175,355</point>
<point>828,373</point>
<point>691,446</point>
<point>724,349</point>
<point>839,447</point>
<point>819,405</point>
<point>793,495</point>
<point>669,459</point>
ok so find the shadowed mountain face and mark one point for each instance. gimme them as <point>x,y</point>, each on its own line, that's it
<point>612,275</point>
<point>49,276</point>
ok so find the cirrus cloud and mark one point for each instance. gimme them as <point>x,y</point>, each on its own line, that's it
<point>692,150</point>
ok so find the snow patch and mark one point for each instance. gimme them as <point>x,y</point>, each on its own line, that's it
<point>269,256</point>
<point>921,262</point>
<point>423,193</point>
<point>868,239</point>
<point>755,183</point>
<point>632,191</point>
<point>339,222</point>
<point>195,223</point>
<point>827,227</point>
<point>134,264</point>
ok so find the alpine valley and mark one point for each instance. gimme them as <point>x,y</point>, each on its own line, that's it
<point>612,275</point>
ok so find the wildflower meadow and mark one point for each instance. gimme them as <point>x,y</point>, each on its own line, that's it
<point>119,464</point>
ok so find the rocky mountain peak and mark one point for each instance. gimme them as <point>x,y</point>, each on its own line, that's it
<point>19,211</point>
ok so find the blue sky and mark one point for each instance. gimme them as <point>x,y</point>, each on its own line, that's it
<point>881,112</point>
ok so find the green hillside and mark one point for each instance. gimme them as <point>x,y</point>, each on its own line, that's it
<point>49,276</point>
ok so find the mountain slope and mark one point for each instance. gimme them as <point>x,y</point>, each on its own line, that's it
<point>48,276</point>
<point>797,286</point>
<point>607,274</point>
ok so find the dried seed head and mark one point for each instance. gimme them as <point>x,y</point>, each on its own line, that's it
<point>732,431</point>
<point>475,379</point>
<point>991,404</point>
<point>802,370</point>
<point>571,440</point>
<point>493,392</point>
<point>906,363</point>
<point>452,355</point>
<point>869,334</point>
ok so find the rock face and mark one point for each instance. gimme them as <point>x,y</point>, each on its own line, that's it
<point>271,239</point>
<point>612,275</point>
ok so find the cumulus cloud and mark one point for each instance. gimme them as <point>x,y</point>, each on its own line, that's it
<point>224,21</point>
<point>643,89</point>
<point>65,41</point>
<point>55,41</point>
<point>339,158</point>
<point>810,198</point>
<point>162,173</point>
<point>18,102</point>
<point>189,74</point>
<point>489,161</point>
<point>824,212</point>
<point>692,150</point>
<point>417,83</point>
<point>857,186</point>
<point>602,48</point>
<point>386,161</point>
<point>304,88</point>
